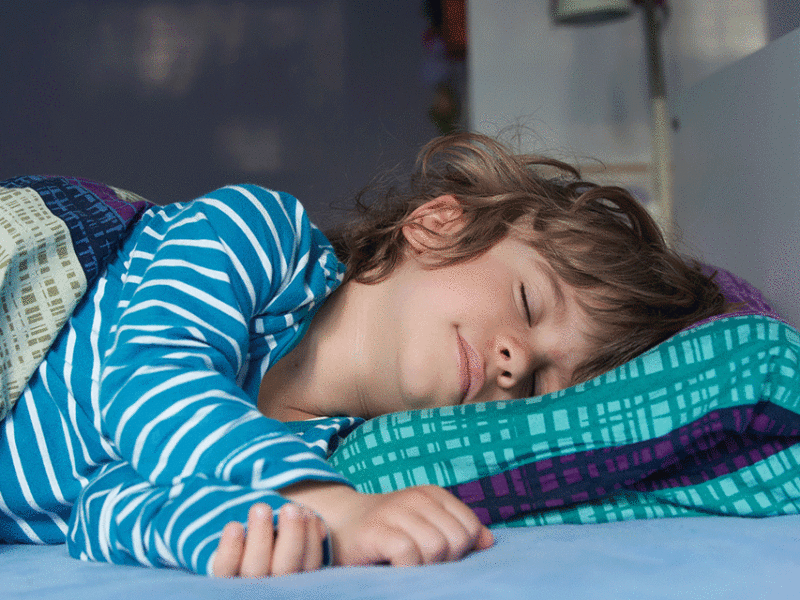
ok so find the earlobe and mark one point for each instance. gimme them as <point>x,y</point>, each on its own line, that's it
<point>433,222</point>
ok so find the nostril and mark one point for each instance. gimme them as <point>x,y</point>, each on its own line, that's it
<point>505,353</point>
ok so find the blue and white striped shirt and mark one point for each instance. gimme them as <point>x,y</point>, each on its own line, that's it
<point>138,438</point>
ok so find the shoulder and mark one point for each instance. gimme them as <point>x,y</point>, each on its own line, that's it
<point>235,215</point>
<point>265,235</point>
<point>248,207</point>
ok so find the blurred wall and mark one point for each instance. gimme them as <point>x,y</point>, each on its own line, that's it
<point>737,181</point>
<point>583,90</point>
<point>172,98</point>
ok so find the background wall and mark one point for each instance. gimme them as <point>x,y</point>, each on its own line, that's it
<point>737,183</point>
<point>583,90</point>
<point>172,98</point>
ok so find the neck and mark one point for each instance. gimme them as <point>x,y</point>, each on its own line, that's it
<point>326,373</point>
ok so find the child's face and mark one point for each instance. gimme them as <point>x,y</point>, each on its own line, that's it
<point>498,327</point>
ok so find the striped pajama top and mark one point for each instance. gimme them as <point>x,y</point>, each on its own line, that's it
<point>138,437</point>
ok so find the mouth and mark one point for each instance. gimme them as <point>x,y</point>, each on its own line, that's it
<point>470,370</point>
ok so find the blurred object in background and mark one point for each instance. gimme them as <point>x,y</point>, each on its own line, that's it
<point>581,92</point>
<point>445,44</point>
<point>578,12</point>
<point>656,12</point>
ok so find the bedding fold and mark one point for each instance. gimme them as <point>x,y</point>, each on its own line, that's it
<point>56,236</point>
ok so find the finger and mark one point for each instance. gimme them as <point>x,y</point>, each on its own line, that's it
<point>315,533</point>
<point>438,535</point>
<point>259,543</point>
<point>478,535</point>
<point>379,543</point>
<point>290,546</point>
<point>485,540</point>
<point>454,540</point>
<point>436,524</point>
<point>229,551</point>
<point>399,549</point>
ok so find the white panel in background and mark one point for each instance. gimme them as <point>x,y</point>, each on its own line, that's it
<point>737,171</point>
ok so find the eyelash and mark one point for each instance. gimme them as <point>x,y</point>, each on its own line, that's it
<point>525,304</point>
<point>532,390</point>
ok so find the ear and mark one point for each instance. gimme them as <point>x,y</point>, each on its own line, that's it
<point>431,223</point>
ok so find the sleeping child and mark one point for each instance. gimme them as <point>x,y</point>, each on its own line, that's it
<point>184,413</point>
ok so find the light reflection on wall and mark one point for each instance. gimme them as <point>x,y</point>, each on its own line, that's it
<point>720,31</point>
<point>163,47</point>
<point>253,147</point>
<point>168,50</point>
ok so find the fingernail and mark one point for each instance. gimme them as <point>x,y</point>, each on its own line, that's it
<point>292,511</point>
<point>261,512</point>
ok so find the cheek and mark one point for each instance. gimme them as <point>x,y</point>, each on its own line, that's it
<point>489,303</point>
<point>422,364</point>
<point>480,289</point>
<point>470,293</point>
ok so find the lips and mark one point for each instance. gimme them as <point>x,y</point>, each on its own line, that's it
<point>470,369</point>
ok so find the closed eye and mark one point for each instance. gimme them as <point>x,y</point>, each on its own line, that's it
<point>525,304</point>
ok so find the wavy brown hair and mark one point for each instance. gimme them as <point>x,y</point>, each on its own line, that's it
<point>598,239</point>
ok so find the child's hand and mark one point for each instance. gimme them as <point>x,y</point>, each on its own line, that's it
<point>414,526</point>
<point>297,547</point>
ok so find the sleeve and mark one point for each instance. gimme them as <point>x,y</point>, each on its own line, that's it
<point>121,518</point>
<point>205,282</point>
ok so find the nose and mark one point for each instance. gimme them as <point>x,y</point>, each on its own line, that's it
<point>513,362</point>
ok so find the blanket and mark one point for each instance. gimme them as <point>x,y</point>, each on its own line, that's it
<point>56,236</point>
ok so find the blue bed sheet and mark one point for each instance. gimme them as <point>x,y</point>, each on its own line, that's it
<point>704,558</point>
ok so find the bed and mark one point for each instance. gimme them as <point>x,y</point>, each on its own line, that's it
<point>648,482</point>
<point>706,558</point>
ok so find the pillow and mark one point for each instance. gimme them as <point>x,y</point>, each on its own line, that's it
<point>707,422</point>
<point>738,291</point>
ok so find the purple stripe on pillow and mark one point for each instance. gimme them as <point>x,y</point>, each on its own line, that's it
<point>717,444</point>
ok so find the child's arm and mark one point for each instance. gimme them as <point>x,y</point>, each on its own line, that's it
<point>209,289</point>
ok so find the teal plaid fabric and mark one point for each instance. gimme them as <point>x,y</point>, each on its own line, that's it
<point>705,423</point>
